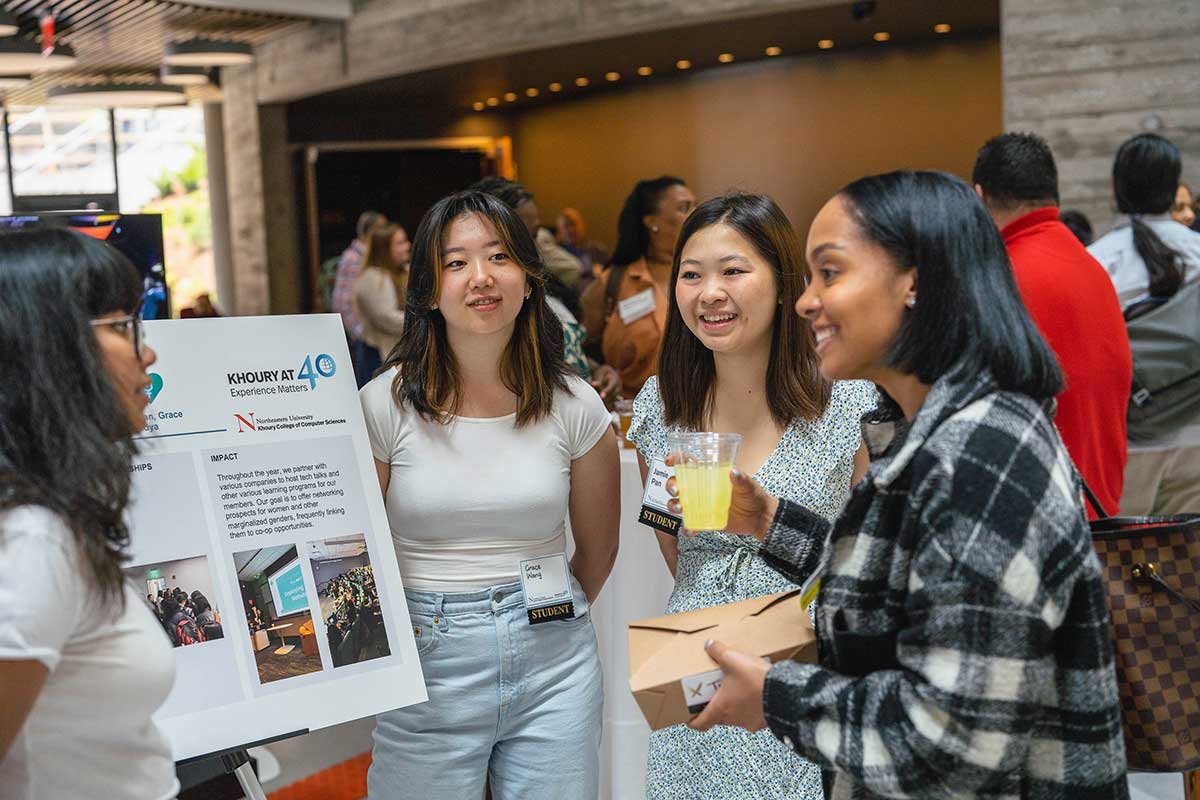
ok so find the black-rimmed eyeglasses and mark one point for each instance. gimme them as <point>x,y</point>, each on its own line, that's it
<point>128,326</point>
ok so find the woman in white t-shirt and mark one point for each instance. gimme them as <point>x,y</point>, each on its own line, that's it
<point>84,662</point>
<point>484,443</point>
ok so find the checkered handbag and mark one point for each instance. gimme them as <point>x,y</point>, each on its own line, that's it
<point>1152,568</point>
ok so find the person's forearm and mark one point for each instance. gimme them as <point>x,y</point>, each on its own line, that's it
<point>591,565</point>
<point>793,542</point>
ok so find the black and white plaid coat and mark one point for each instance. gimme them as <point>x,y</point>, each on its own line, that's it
<point>962,628</point>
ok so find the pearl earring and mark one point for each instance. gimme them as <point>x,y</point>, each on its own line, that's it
<point>654,229</point>
<point>910,301</point>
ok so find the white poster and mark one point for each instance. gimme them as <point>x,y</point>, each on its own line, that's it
<point>255,494</point>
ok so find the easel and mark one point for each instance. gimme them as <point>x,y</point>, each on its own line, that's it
<point>236,761</point>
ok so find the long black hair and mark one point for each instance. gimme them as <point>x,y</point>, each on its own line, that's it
<point>968,309</point>
<point>686,369</point>
<point>427,375</point>
<point>633,240</point>
<point>64,436</point>
<point>1145,179</point>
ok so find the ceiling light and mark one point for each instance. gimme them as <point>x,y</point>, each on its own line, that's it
<point>183,76</point>
<point>882,36</point>
<point>19,56</point>
<point>556,87</point>
<point>532,92</point>
<point>725,58</point>
<point>773,50</point>
<point>581,82</point>
<point>510,97</point>
<point>942,27</point>
<point>116,95</point>
<point>645,71</point>
<point>683,63</point>
<point>493,101</point>
<point>208,53</point>
<point>612,76</point>
<point>825,44</point>
<point>478,105</point>
<point>8,24</point>
<point>14,81</point>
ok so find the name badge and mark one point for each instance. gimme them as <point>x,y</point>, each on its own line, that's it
<point>637,306</point>
<point>546,582</point>
<point>654,501</point>
<point>698,690</point>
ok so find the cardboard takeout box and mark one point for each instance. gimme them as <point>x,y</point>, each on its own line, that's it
<point>666,654</point>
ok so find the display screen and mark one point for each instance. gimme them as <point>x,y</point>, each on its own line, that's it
<point>138,236</point>
<point>287,589</point>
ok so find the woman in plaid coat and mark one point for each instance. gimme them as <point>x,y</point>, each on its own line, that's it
<point>963,636</point>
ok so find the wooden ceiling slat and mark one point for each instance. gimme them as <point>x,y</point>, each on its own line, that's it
<point>125,38</point>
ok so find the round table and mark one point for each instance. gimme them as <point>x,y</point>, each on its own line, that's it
<point>284,647</point>
<point>638,587</point>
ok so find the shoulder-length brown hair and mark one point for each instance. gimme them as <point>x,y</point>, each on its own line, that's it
<point>795,387</point>
<point>379,254</point>
<point>427,376</point>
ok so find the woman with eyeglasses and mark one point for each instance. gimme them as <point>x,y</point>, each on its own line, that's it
<point>83,661</point>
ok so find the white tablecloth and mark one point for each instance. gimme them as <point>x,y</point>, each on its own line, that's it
<point>638,588</point>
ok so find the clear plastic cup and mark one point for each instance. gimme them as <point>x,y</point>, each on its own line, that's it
<point>703,462</point>
<point>624,409</point>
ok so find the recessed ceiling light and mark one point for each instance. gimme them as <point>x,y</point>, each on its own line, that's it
<point>942,27</point>
<point>532,91</point>
<point>510,97</point>
<point>556,87</point>
<point>208,53</point>
<point>882,36</point>
<point>612,76</point>
<point>581,82</point>
<point>645,71</point>
<point>725,58</point>
<point>478,105</point>
<point>183,76</point>
<point>773,50</point>
<point>683,63</point>
<point>825,44</point>
<point>116,95</point>
<point>493,101</point>
<point>20,56</point>
<point>8,24</point>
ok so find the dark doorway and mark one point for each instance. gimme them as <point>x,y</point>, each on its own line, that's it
<point>402,184</point>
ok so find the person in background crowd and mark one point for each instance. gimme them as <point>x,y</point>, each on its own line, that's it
<point>1072,303</point>
<point>366,358</point>
<point>380,290</point>
<point>254,617</point>
<point>572,235</point>
<point>83,663</point>
<point>964,645</point>
<point>180,625</point>
<point>1150,257</point>
<point>558,261</point>
<point>562,298</point>
<point>1182,210</point>
<point>1079,226</point>
<point>625,309</point>
<point>484,443</point>
<point>736,359</point>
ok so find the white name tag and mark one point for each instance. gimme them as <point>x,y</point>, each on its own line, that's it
<point>546,582</point>
<point>698,690</point>
<point>637,306</point>
<point>654,501</point>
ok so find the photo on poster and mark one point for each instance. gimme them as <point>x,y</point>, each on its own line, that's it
<point>278,619</point>
<point>345,579</point>
<point>181,595</point>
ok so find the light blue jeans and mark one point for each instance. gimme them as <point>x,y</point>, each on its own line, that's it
<point>517,703</point>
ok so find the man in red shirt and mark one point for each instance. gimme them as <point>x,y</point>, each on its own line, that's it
<point>1072,302</point>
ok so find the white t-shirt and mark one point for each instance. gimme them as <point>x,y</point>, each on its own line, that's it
<point>89,733</point>
<point>468,500</point>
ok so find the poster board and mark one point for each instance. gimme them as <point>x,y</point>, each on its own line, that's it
<point>255,475</point>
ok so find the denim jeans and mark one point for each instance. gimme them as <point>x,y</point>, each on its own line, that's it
<point>517,703</point>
